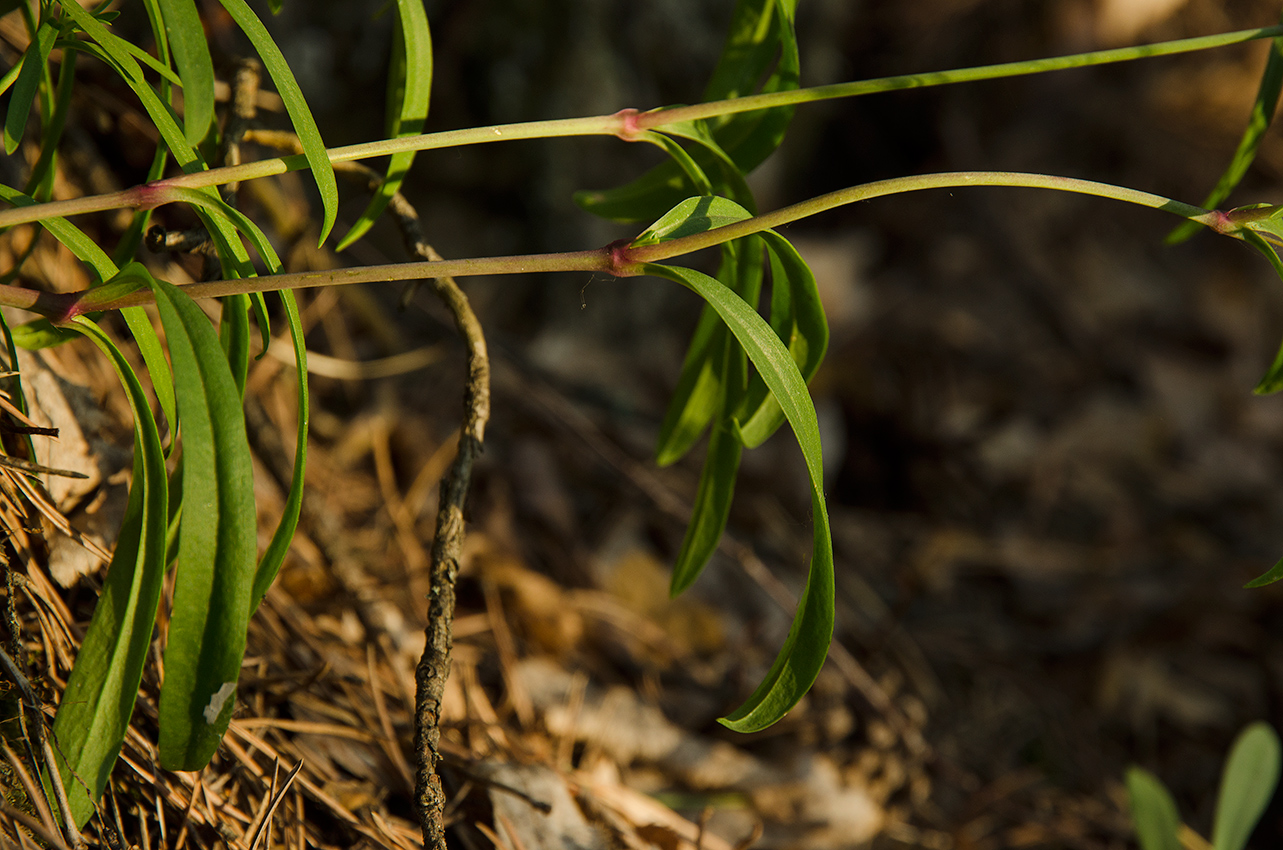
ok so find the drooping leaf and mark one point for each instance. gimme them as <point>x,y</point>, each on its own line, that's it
<point>806,647</point>
<point>234,335</point>
<point>409,87</point>
<point>1154,814</point>
<point>1267,99</point>
<point>295,104</point>
<point>1272,382</point>
<point>1251,774</point>
<point>698,392</point>
<point>274,556</point>
<point>797,316</point>
<point>711,509</point>
<point>721,463</point>
<point>216,549</point>
<point>187,39</point>
<point>93,716</point>
<point>28,83</point>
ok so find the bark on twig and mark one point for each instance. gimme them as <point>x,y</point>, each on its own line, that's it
<point>434,667</point>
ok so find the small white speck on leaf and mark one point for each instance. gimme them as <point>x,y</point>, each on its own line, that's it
<point>217,701</point>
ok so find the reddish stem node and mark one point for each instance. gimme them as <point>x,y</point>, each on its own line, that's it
<point>629,130</point>
<point>619,259</point>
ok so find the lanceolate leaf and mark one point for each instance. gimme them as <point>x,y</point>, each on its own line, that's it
<point>797,316</point>
<point>191,55</point>
<point>216,547</point>
<point>94,713</point>
<point>761,30</point>
<point>691,216</point>
<point>721,464</point>
<point>806,647</point>
<point>295,104</point>
<point>712,506</point>
<point>1251,773</point>
<point>1154,812</point>
<point>1267,99</point>
<point>27,84</point>
<point>274,556</point>
<point>409,86</point>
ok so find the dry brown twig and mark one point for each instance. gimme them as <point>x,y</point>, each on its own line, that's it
<point>434,667</point>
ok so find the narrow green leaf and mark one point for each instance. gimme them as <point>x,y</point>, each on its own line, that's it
<point>28,83</point>
<point>93,716</point>
<point>216,550</point>
<point>295,104</point>
<point>409,88</point>
<point>127,67</point>
<point>153,353</point>
<point>699,391</point>
<point>234,335</point>
<point>748,53</point>
<point>692,216</point>
<point>728,180</point>
<point>1267,99</point>
<point>90,48</point>
<point>11,75</point>
<point>750,137</point>
<point>761,30</point>
<point>259,305</point>
<point>1272,382</point>
<point>712,504</point>
<point>187,39</point>
<point>1154,814</point>
<point>695,398</point>
<point>1270,576</point>
<point>274,556</point>
<point>806,647</point>
<point>1251,774</point>
<point>797,316</point>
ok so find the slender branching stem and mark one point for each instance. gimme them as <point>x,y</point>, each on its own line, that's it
<point>627,124</point>
<point>618,259</point>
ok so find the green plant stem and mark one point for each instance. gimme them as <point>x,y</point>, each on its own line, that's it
<point>662,117</point>
<point>627,124</point>
<point>916,183</point>
<point>619,258</point>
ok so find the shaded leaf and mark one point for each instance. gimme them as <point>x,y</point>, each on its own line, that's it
<point>216,548</point>
<point>1270,576</point>
<point>1267,98</point>
<point>187,40</point>
<point>807,644</point>
<point>797,316</point>
<point>274,556</point>
<point>1251,774</point>
<point>1154,814</point>
<point>27,84</point>
<point>93,716</point>
<point>295,104</point>
<point>409,88</point>
<point>761,31</point>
